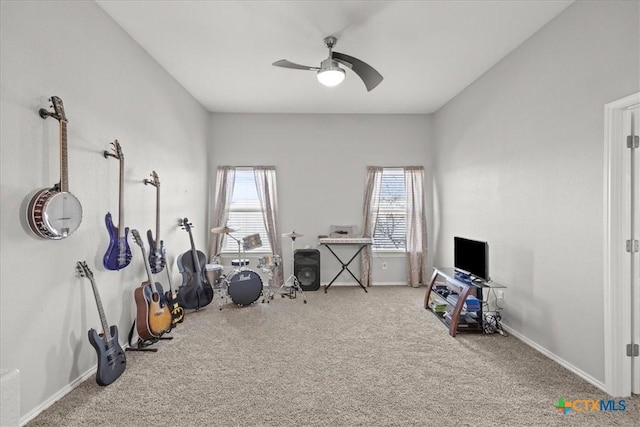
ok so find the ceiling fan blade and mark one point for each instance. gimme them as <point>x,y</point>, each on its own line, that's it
<point>288,64</point>
<point>366,72</point>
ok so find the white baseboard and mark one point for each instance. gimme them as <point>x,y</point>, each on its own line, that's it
<point>555,358</point>
<point>59,395</point>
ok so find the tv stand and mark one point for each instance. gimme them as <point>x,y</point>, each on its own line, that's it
<point>450,311</point>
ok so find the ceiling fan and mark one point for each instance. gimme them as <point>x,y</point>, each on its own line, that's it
<point>331,74</point>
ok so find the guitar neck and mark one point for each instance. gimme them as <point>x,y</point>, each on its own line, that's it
<point>121,201</point>
<point>157,213</point>
<point>169,279</point>
<point>64,177</point>
<point>147,266</point>
<point>103,318</point>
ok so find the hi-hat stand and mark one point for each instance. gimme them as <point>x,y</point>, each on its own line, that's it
<point>292,284</point>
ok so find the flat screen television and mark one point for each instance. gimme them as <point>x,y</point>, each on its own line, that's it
<point>471,257</point>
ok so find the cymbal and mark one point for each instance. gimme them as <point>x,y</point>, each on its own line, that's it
<point>292,235</point>
<point>223,230</point>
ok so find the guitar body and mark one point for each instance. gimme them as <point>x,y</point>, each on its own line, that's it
<point>177,312</point>
<point>111,358</point>
<point>118,254</point>
<point>195,291</point>
<point>142,312</point>
<point>159,312</point>
<point>157,254</point>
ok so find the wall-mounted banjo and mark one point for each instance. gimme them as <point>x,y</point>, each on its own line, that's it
<point>54,213</point>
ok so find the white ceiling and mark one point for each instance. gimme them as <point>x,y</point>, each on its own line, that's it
<point>427,51</point>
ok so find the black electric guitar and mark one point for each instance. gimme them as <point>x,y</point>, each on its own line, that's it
<point>195,291</point>
<point>157,251</point>
<point>118,253</point>
<point>111,358</point>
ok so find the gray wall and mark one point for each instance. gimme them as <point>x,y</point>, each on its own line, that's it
<point>111,89</point>
<point>321,165</point>
<point>519,163</point>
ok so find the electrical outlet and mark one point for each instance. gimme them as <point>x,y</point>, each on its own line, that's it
<point>384,265</point>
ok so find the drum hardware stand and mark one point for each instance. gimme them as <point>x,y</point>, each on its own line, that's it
<point>294,285</point>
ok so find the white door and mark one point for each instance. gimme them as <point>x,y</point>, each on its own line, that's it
<point>631,122</point>
<point>622,259</point>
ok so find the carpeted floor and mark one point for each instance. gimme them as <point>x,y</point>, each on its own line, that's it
<point>346,358</point>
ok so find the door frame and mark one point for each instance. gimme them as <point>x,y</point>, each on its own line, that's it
<point>617,308</point>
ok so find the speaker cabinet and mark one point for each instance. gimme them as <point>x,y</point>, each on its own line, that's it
<point>306,267</point>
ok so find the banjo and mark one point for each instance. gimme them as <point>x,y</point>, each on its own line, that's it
<point>54,213</point>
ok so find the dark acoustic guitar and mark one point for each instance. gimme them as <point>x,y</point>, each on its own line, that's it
<point>195,291</point>
<point>118,254</point>
<point>157,251</point>
<point>111,359</point>
<point>153,317</point>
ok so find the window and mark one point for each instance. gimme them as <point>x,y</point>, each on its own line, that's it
<point>245,213</point>
<point>390,219</point>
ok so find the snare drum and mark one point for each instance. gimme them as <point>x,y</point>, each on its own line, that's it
<point>213,272</point>
<point>239,262</point>
<point>244,287</point>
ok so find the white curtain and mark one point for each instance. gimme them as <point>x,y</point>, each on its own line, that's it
<point>369,213</point>
<point>416,232</point>
<point>268,194</point>
<point>224,191</point>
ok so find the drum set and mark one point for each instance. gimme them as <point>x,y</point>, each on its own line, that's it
<point>242,285</point>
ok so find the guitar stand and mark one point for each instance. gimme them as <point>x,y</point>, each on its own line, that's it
<point>141,345</point>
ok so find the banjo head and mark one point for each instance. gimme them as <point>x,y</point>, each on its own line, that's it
<point>61,215</point>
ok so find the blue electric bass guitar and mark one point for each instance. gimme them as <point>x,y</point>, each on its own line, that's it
<point>157,251</point>
<point>118,254</point>
<point>111,359</point>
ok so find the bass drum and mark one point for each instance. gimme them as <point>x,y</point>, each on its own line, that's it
<point>244,287</point>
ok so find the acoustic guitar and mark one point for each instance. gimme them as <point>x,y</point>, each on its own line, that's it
<point>54,213</point>
<point>111,359</point>
<point>153,317</point>
<point>157,251</point>
<point>195,291</point>
<point>118,253</point>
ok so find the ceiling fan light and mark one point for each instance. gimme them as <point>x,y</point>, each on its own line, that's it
<point>331,77</point>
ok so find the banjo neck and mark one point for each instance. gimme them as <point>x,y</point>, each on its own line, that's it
<point>64,174</point>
